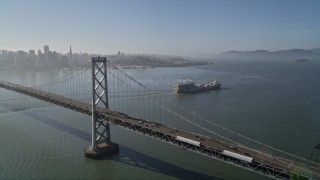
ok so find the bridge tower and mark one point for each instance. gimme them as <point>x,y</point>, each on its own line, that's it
<point>101,140</point>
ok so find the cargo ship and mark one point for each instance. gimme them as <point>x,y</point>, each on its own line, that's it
<point>190,87</point>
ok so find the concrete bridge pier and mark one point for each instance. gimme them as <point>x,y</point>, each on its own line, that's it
<point>102,151</point>
<point>101,146</point>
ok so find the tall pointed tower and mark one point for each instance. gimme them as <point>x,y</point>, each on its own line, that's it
<point>70,55</point>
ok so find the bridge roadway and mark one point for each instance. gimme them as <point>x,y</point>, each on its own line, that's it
<point>262,163</point>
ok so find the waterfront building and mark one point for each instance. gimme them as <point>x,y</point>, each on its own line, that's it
<point>32,53</point>
<point>46,49</point>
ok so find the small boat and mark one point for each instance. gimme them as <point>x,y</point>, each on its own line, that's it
<point>190,87</point>
<point>302,60</point>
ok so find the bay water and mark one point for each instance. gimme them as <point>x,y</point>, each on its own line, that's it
<point>274,102</point>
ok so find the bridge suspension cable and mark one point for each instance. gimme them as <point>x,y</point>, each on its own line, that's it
<point>124,92</point>
<point>60,79</point>
<point>74,85</point>
<point>125,95</point>
<point>245,137</point>
<point>165,108</point>
<point>215,124</point>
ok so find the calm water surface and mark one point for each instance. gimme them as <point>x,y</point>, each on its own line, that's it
<point>277,103</point>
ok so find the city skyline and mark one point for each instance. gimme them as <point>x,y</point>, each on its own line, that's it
<point>44,50</point>
<point>182,28</point>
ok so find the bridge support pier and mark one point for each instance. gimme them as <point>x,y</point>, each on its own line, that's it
<point>101,146</point>
<point>102,150</point>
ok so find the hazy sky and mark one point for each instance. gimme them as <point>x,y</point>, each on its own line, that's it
<point>176,27</point>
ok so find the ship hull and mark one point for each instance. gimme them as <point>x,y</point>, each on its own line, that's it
<point>197,90</point>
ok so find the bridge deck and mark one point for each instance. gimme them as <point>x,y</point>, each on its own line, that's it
<point>262,163</point>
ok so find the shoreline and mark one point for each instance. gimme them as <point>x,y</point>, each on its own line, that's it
<point>120,66</point>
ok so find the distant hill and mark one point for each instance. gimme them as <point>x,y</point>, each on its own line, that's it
<point>152,61</point>
<point>291,54</point>
<point>316,50</point>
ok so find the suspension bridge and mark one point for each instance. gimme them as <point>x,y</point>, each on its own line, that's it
<point>112,97</point>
